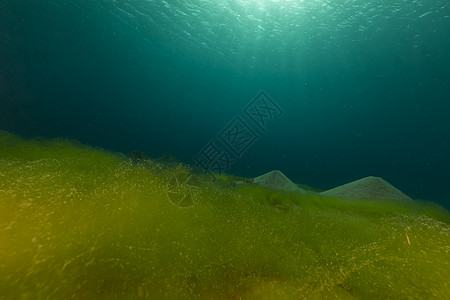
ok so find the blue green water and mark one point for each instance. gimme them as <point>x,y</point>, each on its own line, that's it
<point>363,85</point>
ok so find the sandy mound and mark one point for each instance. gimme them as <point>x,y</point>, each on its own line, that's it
<point>277,181</point>
<point>368,188</point>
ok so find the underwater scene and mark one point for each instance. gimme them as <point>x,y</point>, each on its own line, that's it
<point>236,149</point>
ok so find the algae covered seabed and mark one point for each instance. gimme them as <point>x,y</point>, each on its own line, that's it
<point>83,223</point>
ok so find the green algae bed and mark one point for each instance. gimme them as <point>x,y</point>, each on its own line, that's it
<point>83,223</point>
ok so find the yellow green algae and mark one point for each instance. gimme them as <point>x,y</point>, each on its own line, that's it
<point>83,223</point>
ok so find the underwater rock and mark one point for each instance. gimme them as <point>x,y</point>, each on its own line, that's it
<point>138,155</point>
<point>169,159</point>
<point>277,181</point>
<point>368,188</point>
<point>308,188</point>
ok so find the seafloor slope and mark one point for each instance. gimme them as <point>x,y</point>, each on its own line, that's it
<point>82,223</point>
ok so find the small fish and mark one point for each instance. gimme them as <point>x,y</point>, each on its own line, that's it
<point>425,14</point>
